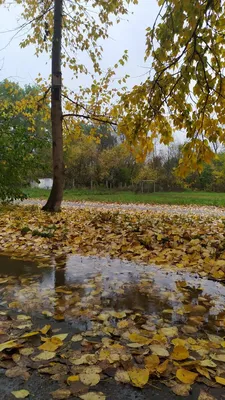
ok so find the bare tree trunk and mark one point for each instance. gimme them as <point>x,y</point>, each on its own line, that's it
<point>56,195</point>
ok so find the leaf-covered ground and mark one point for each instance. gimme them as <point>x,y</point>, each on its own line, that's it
<point>127,323</point>
<point>193,242</point>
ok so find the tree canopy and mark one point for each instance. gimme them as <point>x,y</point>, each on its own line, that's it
<point>185,88</point>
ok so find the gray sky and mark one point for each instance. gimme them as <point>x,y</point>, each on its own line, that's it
<point>23,66</point>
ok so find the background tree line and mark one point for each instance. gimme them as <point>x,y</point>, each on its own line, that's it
<point>94,156</point>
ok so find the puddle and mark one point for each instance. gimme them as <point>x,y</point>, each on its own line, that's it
<point>83,287</point>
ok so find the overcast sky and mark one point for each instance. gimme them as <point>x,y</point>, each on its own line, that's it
<point>21,64</point>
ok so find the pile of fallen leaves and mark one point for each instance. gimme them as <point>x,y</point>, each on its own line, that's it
<point>193,242</point>
<point>121,345</point>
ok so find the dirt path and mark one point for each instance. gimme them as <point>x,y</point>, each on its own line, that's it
<point>164,208</point>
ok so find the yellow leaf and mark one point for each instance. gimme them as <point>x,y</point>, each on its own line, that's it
<point>60,336</point>
<point>89,379</point>
<point>162,367</point>
<point>205,396</point>
<point>20,394</point>
<point>93,396</point>
<point>208,363</point>
<point>203,371</point>
<point>218,357</point>
<point>179,353</point>
<point>220,380</point>
<point>139,377</point>
<point>169,332</point>
<point>76,338</point>
<point>186,376</point>
<point>8,345</point>
<point>178,342</point>
<point>27,351</point>
<point>122,324</point>
<point>45,329</point>
<point>181,389</point>
<point>72,378</point>
<point>30,334</point>
<point>122,376</point>
<point>61,394</point>
<point>134,337</point>
<point>151,362</point>
<point>23,317</point>
<point>45,355</point>
<point>159,350</point>
<point>47,313</point>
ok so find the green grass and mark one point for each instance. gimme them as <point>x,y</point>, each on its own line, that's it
<point>185,198</point>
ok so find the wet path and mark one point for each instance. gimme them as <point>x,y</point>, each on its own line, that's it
<point>92,296</point>
<point>158,208</point>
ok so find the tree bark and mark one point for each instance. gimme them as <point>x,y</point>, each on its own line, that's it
<point>55,199</point>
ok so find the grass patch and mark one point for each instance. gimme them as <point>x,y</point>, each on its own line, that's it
<point>102,195</point>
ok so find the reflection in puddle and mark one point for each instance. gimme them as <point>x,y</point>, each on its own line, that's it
<point>84,287</point>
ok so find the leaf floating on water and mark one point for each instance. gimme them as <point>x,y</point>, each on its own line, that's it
<point>186,376</point>
<point>20,394</point>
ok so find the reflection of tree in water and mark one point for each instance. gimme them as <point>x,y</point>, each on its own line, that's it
<point>60,271</point>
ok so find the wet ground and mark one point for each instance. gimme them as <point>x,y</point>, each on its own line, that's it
<point>70,293</point>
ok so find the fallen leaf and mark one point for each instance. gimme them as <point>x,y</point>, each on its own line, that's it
<point>151,362</point>
<point>186,376</point>
<point>45,329</point>
<point>169,332</point>
<point>203,371</point>
<point>134,337</point>
<point>89,379</point>
<point>220,380</point>
<point>73,378</point>
<point>208,363</point>
<point>139,377</point>
<point>181,389</point>
<point>44,355</point>
<point>30,334</point>
<point>159,350</point>
<point>218,357</point>
<point>93,396</point>
<point>8,345</point>
<point>162,367</point>
<point>122,376</point>
<point>20,394</point>
<point>27,351</point>
<point>77,338</point>
<point>61,394</point>
<point>179,353</point>
<point>205,396</point>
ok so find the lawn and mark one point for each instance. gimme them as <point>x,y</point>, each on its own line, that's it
<point>185,198</point>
